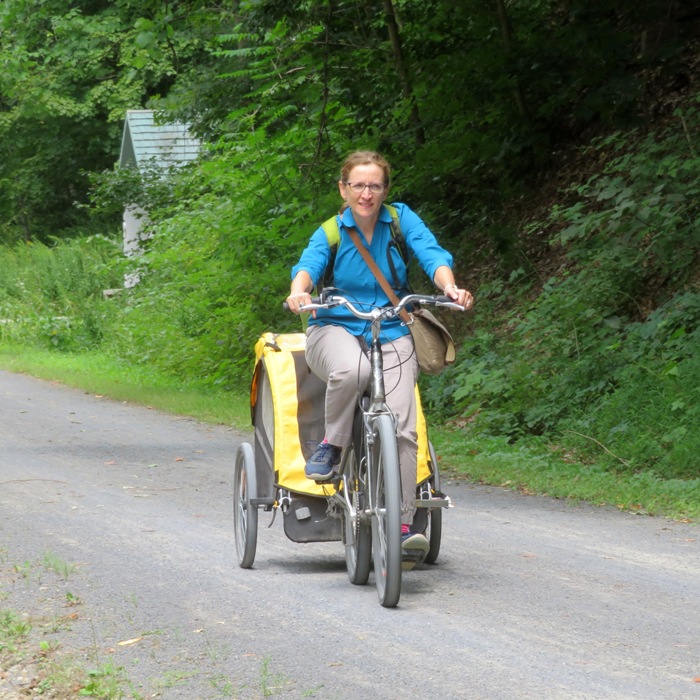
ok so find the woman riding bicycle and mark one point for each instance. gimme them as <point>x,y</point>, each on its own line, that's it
<point>337,341</point>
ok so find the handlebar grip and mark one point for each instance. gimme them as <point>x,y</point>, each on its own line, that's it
<point>314,300</point>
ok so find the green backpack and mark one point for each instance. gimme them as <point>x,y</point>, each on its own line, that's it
<point>332,231</point>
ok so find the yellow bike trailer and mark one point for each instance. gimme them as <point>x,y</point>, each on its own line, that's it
<point>287,412</point>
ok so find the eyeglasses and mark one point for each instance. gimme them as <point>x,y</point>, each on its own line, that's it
<point>359,187</point>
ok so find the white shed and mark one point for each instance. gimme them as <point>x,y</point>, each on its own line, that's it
<point>146,143</point>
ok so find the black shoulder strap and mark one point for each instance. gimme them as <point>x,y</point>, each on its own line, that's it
<point>398,242</point>
<point>397,238</point>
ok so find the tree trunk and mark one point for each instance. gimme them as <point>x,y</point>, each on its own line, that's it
<point>507,37</point>
<point>402,70</point>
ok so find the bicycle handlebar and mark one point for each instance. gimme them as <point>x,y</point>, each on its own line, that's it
<point>328,299</point>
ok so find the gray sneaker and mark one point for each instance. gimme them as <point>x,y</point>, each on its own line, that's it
<point>414,549</point>
<point>321,463</point>
<point>414,546</point>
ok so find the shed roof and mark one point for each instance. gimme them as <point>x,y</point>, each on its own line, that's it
<point>163,144</point>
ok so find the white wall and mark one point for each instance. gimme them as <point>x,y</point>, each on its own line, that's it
<point>133,221</point>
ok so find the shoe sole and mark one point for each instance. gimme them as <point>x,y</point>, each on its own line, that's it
<point>413,551</point>
<point>319,477</point>
<point>411,557</point>
<point>416,543</point>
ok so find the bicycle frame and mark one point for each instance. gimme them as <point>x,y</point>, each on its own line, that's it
<point>366,492</point>
<point>377,394</point>
<point>377,400</point>
<point>377,406</point>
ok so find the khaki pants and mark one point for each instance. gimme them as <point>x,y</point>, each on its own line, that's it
<point>338,359</point>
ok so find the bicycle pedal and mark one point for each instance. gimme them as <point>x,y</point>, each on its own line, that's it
<point>324,482</point>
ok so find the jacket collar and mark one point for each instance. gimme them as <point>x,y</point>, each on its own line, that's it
<point>347,219</point>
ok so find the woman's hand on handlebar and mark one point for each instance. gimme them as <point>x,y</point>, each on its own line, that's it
<point>298,299</point>
<point>299,291</point>
<point>459,296</point>
<point>300,302</point>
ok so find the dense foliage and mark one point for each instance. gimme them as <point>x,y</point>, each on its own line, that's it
<point>605,352</point>
<point>588,300</point>
<point>468,99</point>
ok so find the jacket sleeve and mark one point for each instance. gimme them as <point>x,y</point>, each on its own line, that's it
<point>421,241</point>
<point>315,256</point>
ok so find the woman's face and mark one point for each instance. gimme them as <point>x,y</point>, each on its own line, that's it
<point>365,204</point>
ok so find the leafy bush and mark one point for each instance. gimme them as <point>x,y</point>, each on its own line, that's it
<point>604,355</point>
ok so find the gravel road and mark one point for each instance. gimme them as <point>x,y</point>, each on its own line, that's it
<point>531,597</point>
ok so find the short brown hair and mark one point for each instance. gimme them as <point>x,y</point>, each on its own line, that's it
<point>365,158</point>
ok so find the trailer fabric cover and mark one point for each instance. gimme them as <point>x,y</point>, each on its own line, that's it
<point>297,411</point>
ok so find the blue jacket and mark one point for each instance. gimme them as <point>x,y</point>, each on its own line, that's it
<point>355,280</point>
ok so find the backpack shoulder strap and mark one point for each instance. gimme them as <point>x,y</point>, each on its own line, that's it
<point>399,242</point>
<point>332,231</point>
<point>397,235</point>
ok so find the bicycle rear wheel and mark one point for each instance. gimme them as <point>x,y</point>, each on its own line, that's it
<point>357,532</point>
<point>386,512</point>
<point>434,532</point>
<point>245,515</point>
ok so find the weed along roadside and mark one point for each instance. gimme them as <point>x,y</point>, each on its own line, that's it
<point>41,657</point>
<point>36,656</point>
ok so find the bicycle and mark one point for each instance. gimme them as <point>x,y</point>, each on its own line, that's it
<point>364,493</point>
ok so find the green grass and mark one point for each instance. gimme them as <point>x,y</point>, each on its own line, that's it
<point>52,562</point>
<point>530,467</point>
<point>13,632</point>
<point>58,675</point>
<point>539,468</point>
<point>97,373</point>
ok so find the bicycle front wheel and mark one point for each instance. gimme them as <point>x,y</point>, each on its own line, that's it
<point>386,511</point>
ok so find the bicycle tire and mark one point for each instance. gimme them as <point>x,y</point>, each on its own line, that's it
<point>245,514</point>
<point>386,512</point>
<point>434,532</point>
<point>357,533</point>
